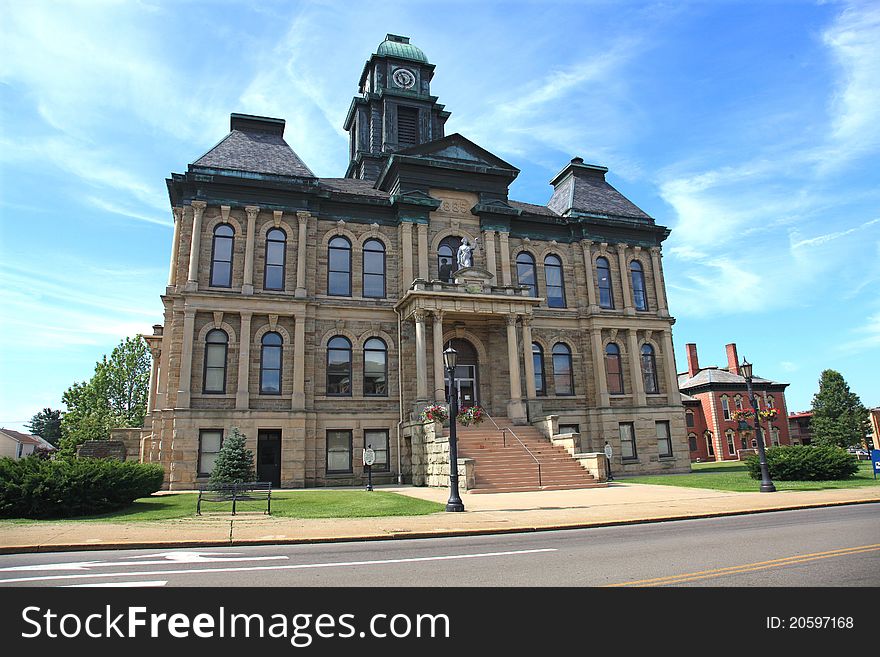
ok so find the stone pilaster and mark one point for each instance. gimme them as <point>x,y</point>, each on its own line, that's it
<point>186,357</point>
<point>242,394</point>
<point>421,357</point>
<point>175,247</point>
<point>638,382</point>
<point>602,398</point>
<point>624,280</point>
<point>504,245</point>
<point>252,212</point>
<point>299,363</point>
<point>155,355</point>
<point>589,275</point>
<point>489,243</point>
<point>192,282</point>
<point>303,219</point>
<point>528,360</point>
<point>407,251</point>
<point>673,394</point>
<point>659,287</point>
<point>515,408</point>
<point>423,251</point>
<point>439,372</point>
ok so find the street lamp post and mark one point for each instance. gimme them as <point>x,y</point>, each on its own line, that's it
<point>450,356</point>
<point>766,484</point>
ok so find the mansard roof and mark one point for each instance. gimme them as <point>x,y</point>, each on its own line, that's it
<point>582,188</point>
<point>720,378</point>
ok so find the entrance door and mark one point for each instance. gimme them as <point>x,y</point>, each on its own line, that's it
<point>269,457</point>
<point>466,385</point>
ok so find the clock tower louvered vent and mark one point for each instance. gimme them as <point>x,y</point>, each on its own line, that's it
<point>407,127</point>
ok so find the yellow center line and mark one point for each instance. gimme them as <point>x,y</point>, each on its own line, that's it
<point>750,567</point>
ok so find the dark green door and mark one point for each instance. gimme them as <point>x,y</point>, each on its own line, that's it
<point>269,457</point>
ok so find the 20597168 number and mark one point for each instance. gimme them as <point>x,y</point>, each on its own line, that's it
<point>820,622</point>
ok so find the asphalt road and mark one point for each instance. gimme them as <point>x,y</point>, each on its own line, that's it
<point>838,546</point>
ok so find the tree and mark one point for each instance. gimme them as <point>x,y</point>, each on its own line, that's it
<point>235,462</point>
<point>116,395</point>
<point>839,418</point>
<point>47,425</point>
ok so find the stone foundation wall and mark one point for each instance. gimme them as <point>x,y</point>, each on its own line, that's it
<point>430,459</point>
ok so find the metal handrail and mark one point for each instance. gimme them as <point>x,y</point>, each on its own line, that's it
<point>522,444</point>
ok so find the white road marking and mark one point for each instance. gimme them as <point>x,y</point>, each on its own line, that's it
<point>302,566</point>
<point>158,582</point>
<point>169,558</point>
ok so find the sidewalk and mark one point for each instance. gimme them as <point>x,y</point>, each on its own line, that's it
<point>620,503</point>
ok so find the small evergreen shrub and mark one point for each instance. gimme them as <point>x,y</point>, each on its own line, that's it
<point>805,463</point>
<point>235,462</point>
<point>36,488</point>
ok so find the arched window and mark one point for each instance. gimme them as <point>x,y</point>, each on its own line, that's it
<point>613,369</point>
<point>689,419</point>
<point>649,370</point>
<point>725,407</point>
<point>774,435</point>
<point>731,448</point>
<point>270,364</point>
<point>339,367</point>
<point>216,347</point>
<point>339,267</point>
<point>710,444</point>
<point>771,403</point>
<point>640,298</point>
<point>692,442</point>
<point>374,269</point>
<point>538,360</point>
<point>738,402</point>
<point>603,274</point>
<point>563,373</point>
<point>447,258</point>
<point>375,368</point>
<point>525,272</point>
<point>555,281</point>
<point>221,256</point>
<point>276,246</point>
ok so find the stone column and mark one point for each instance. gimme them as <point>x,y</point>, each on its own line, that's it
<point>407,251</point>
<point>589,276</point>
<point>505,257</point>
<point>243,393</point>
<point>423,250</point>
<point>673,394</point>
<point>192,282</point>
<point>421,357</point>
<point>175,247</point>
<point>624,280</point>
<point>303,219</point>
<point>635,362</point>
<point>489,244</point>
<point>515,408</point>
<point>528,359</point>
<point>602,398</point>
<point>155,355</point>
<point>659,288</point>
<point>248,283</point>
<point>439,371</point>
<point>186,357</point>
<point>299,363</point>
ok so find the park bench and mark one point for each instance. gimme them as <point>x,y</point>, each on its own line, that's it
<point>246,491</point>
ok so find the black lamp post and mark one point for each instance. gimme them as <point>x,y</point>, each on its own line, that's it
<point>766,484</point>
<point>450,357</point>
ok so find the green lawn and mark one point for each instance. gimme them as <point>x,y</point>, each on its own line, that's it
<point>287,504</point>
<point>734,476</point>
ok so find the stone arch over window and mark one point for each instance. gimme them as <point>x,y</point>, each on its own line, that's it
<point>604,282</point>
<point>447,257</point>
<point>340,265</point>
<point>216,362</point>
<point>275,249</point>
<point>271,363</point>
<point>527,271</point>
<point>374,270</point>
<point>614,368</point>
<point>339,367</point>
<point>563,369</point>
<point>554,281</point>
<point>339,231</point>
<point>648,357</point>
<point>267,328</point>
<point>375,367</point>
<point>482,352</point>
<point>361,339</point>
<point>222,255</point>
<point>540,369</point>
<point>221,325</point>
<point>638,284</point>
<point>368,235</point>
<point>208,225</point>
<point>441,235</point>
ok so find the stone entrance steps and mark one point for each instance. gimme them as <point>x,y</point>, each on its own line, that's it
<point>503,466</point>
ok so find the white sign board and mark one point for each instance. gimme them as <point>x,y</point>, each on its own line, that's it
<point>608,452</point>
<point>369,456</point>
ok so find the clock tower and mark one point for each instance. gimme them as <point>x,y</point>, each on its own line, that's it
<point>395,109</point>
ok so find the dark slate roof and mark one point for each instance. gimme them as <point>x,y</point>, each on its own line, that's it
<point>531,208</point>
<point>353,186</point>
<point>597,196</point>
<point>688,399</point>
<point>714,375</point>
<point>255,152</point>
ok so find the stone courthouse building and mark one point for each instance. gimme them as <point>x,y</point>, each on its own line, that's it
<point>311,313</point>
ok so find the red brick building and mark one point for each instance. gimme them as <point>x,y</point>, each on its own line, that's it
<point>711,397</point>
<point>799,428</point>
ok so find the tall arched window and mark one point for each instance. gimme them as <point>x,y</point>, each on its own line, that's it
<point>725,407</point>
<point>771,403</point>
<point>270,364</point>
<point>339,267</point>
<point>774,435</point>
<point>375,368</point>
<point>447,258</point>
<point>216,348</point>
<point>276,247</point>
<point>339,367</point>
<point>374,269</point>
<point>525,272</point>
<point>738,402</point>
<point>731,447</point>
<point>538,360</point>
<point>692,442</point>
<point>640,297</point>
<point>563,373</point>
<point>221,256</point>
<point>613,369</point>
<point>603,275</point>
<point>555,281</point>
<point>649,370</point>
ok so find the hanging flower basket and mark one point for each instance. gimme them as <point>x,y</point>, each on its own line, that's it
<point>768,413</point>
<point>434,413</point>
<point>742,415</point>
<point>471,415</point>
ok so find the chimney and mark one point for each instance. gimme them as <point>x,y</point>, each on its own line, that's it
<point>732,362</point>
<point>693,363</point>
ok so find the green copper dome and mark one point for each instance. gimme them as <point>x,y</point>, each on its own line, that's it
<point>399,46</point>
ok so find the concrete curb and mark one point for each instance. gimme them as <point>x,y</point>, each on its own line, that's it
<point>402,535</point>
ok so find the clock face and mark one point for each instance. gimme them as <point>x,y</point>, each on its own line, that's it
<point>404,78</point>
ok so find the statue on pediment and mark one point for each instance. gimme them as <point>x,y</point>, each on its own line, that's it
<point>466,253</point>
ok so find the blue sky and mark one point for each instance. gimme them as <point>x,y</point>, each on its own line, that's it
<point>750,129</point>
